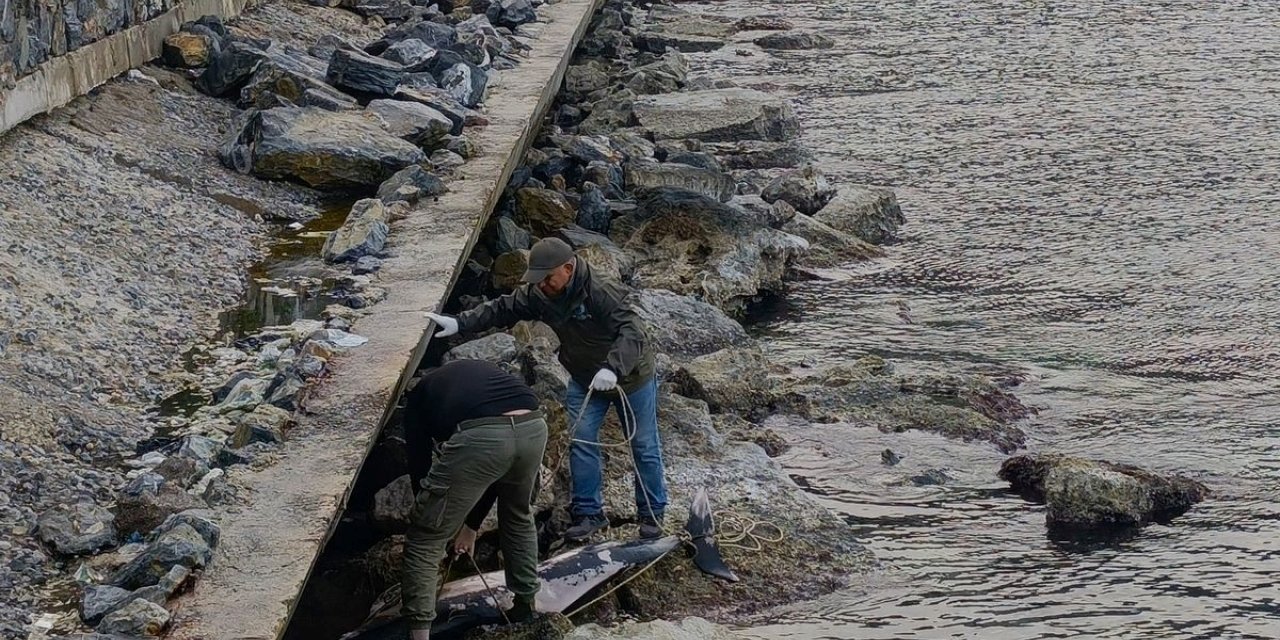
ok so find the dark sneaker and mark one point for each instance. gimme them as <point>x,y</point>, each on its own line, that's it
<point>650,527</point>
<point>584,526</point>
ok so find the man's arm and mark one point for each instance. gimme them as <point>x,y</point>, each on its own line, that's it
<point>627,327</point>
<point>501,312</point>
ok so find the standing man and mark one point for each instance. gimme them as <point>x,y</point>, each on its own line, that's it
<point>604,347</point>
<point>474,434</point>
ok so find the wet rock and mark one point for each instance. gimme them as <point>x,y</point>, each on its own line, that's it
<point>220,394</point>
<point>710,183</point>
<point>829,247</point>
<point>542,211</point>
<point>413,121</point>
<point>511,13</point>
<point>508,270</point>
<point>465,82</point>
<point>593,209</point>
<point>363,73</point>
<point>510,237</point>
<point>392,504</point>
<point>188,50</point>
<point>138,618</point>
<point>661,41</point>
<point>499,348</point>
<point>410,53</point>
<point>762,23</point>
<point>265,424</point>
<point>759,154</point>
<point>323,149</point>
<point>766,214</point>
<point>77,529</point>
<point>230,69</point>
<point>794,41</point>
<point>734,379</point>
<point>870,213</point>
<point>687,629</point>
<point>181,545</point>
<point>691,244</point>
<point>889,458</point>
<point>930,477</point>
<point>363,233</point>
<point>409,185</point>
<point>1083,495</point>
<point>99,600</point>
<point>717,115</point>
<point>684,326</point>
<point>806,189</point>
<point>736,428</point>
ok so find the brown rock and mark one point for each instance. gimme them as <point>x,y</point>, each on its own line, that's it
<point>187,50</point>
<point>542,211</point>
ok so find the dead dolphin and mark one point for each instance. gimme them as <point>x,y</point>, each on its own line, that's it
<point>565,579</point>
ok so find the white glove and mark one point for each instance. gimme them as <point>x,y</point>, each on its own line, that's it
<point>604,380</point>
<point>448,326</point>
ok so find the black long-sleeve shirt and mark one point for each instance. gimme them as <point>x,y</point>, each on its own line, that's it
<point>454,392</point>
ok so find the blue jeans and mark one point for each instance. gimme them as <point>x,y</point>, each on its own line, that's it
<point>586,462</point>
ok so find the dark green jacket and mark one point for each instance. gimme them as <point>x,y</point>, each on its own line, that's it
<point>592,317</point>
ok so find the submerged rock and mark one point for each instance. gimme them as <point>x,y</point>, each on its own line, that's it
<point>870,213</point>
<point>1085,494</point>
<point>794,41</point>
<point>363,233</point>
<point>759,154</point>
<point>655,41</point>
<point>717,115</point>
<point>691,244</point>
<point>323,149</point>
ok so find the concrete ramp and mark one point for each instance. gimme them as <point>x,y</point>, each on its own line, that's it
<point>270,543</point>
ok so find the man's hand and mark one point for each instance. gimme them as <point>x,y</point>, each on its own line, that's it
<point>465,543</point>
<point>604,380</point>
<point>448,326</point>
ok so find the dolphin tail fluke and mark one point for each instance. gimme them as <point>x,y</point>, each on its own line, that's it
<point>701,529</point>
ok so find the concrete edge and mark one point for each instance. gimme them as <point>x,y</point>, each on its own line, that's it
<point>59,80</point>
<point>271,542</point>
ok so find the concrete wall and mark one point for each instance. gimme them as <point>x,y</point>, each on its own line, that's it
<point>52,51</point>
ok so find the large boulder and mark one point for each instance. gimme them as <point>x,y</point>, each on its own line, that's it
<point>733,379</point>
<point>543,211</point>
<point>409,185</point>
<point>322,149</point>
<point>392,504</point>
<point>806,189</point>
<point>498,348</point>
<point>708,182</point>
<point>230,69</point>
<point>146,501</point>
<point>436,35</point>
<point>1086,495</point>
<point>599,251</point>
<point>414,122</point>
<point>691,244</point>
<point>77,529</point>
<point>181,545</point>
<point>794,41</point>
<point>285,77</point>
<point>364,232</point>
<point>511,13</point>
<point>465,82</point>
<point>686,327</point>
<point>759,154</point>
<point>829,247</point>
<point>870,213</point>
<point>717,115</point>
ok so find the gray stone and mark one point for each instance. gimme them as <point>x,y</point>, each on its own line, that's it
<point>325,46</point>
<point>717,115</point>
<point>363,73</point>
<point>229,70</point>
<point>198,519</point>
<point>174,580</point>
<point>265,424</point>
<point>284,77</point>
<point>774,215</point>
<point>542,211</point>
<point>77,529</point>
<point>694,159</point>
<point>759,154</point>
<point>446,159</point>
<point>441,101</point>
<point>245,395</point>
<point>806,189</point>
<point>323,149</point>
<point>181,545</point>
<point>146,508</point>
<point>661,41</point>
<point>510,237</point>
<point>99,600</point>
<point>588,149</point>
<point>392,504</point>
<point>593,210</point>
<point>433,34</point>
<point>683,326</point>
<point>499,348</point>
<point>829,247</point>
<point>465,82</point>
<point>188,50</point>
<point>1084,495</point>
<point>413,121</point>
<point>633,145</point>
<point>463,146</point>
<point>409,185</point>
<point>366,264</point>
<point>138,618</point>
<point>204,451</point>
<point>794,41</point>
<point>590,76</point>
<point>389,10</point>
<point>410,53</point>
<point>284,392</point>
<point>511,13</point>
<point>363,233</point>
<point>734,379</point>
<point>710,183</point>
<point>181,471</point>
<point>600,252</point>
<point>870,213</point>
<point>617,111</point>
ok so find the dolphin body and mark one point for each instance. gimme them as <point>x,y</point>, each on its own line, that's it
<point>564,579</point>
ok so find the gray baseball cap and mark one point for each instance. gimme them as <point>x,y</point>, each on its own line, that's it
<point>546,255</point>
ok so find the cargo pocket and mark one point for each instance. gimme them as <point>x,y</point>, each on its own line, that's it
<point>428,510</point>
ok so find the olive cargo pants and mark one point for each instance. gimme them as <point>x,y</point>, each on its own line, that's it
<point>505,452</point>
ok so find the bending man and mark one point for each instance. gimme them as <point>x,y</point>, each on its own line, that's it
<point>604,347</point>
<point>488,438</point>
